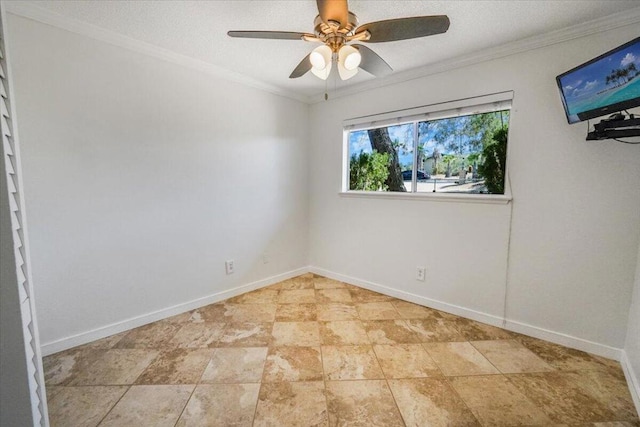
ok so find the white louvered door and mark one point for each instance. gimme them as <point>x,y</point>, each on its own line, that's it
<point>11,154</point>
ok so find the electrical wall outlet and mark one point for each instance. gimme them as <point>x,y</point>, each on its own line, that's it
<point>228,267</point>
<point>265,258</point>
<point>421,273</point>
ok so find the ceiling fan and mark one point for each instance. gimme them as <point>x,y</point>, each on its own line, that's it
<point>337,28</point>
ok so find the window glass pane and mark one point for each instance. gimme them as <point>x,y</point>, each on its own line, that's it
<point>465,154</point>
<point>378,157</point>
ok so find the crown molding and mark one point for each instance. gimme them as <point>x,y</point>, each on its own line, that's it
<point>111,37</point>
<point>617,20</point>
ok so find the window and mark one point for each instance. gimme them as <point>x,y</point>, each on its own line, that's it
<point>457,147</point>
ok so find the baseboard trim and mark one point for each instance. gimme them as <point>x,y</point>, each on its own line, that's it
<point>512,325</point>
<point>134,322</point>
<point>407,296</point>
<point>565,340</point>
<point>632,379</point>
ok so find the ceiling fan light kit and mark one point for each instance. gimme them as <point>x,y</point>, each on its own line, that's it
<point>321,57</point>
<point>349,57</point>
<point>336,27</point>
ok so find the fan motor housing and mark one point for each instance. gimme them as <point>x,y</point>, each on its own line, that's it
<point>331,33</point>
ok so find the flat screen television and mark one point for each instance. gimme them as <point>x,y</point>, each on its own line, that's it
<point>604,85</point>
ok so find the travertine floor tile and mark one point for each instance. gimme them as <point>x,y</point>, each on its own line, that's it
<point>197,335</point>
<point>196,316</point>
<point>181,318</point>
<point>296,313</point>
<point>179,366</point>
<point>235,365</point>
<point>476,331</point>
<point>297,296</point>
<point>149,405</point>
<point>324,296</point>
<point>295,334</point>
<point>291,404</point>
<point>563,397</point>
<point>250,313</point>
<point>336,311</point>
<point>82,406</point>
<point>586,396</point>
<point>268,351</point>
<point>246,335</point>
<point>51,391</point>
<point>612,392</point>
<point>62,368</point>
<point>260,296</point>
<point>611,366</point>
<point>215,313</point>
<point>221,405</point>
<point>365,295</point>
<point>297,283</point>
<point>345,332</point>
<point>326,283</point>
<point>434,329</point>
<point>409,310</point>
<point>350,363</point>
<point>377,311</point>
<point>104,343</point>
<point>560,357</point>
<point>459,358</point>
<point>153,335</point>
<point>431,402</point>
<point>511,357</point>
<point>293,364</point>
<point>496,402</point>
<point>406,361</point>
<point>361,403</point>
<point>237,313</point>
<point>617,424</point>
<point>116,367</point>
<point>390,332</point>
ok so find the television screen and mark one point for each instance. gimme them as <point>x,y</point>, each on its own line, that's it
<point>604,85</point>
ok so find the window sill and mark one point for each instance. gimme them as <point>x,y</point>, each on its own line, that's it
<point>496,199</point>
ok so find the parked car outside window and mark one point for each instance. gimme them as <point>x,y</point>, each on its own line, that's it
<point>406,175</point>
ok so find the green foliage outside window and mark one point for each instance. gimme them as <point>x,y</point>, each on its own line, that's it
<point>462,154</point>
<point>495,162</point>
<point>368,171</point>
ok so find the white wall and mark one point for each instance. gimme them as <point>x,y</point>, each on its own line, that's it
<point>575,231</point>
<point>142,177</point>
<point>632,344</point>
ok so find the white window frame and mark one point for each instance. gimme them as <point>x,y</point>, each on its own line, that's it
<point>462,107</point>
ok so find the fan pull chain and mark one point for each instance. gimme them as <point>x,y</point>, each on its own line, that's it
<point>326,94</point>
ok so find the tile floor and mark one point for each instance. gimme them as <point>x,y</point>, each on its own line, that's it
<point>311,351</point>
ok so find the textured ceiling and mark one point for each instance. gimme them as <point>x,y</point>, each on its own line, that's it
<point>198,29</point>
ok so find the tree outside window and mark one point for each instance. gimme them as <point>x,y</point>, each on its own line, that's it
<point>464,154</point>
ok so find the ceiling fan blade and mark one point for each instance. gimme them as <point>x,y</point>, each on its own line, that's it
<point>334,10</point>
<point>405,28</point>
<point>372,63</point>
<point>303,67</point>
<point>277,35</point>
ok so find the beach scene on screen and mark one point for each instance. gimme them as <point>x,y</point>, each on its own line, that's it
<point>612,79</point>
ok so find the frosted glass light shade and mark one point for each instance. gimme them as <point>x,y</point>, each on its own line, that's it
<point>344,73</point>
<point>324,73</point>
<point>349,57</point>
<point>320,57</point>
